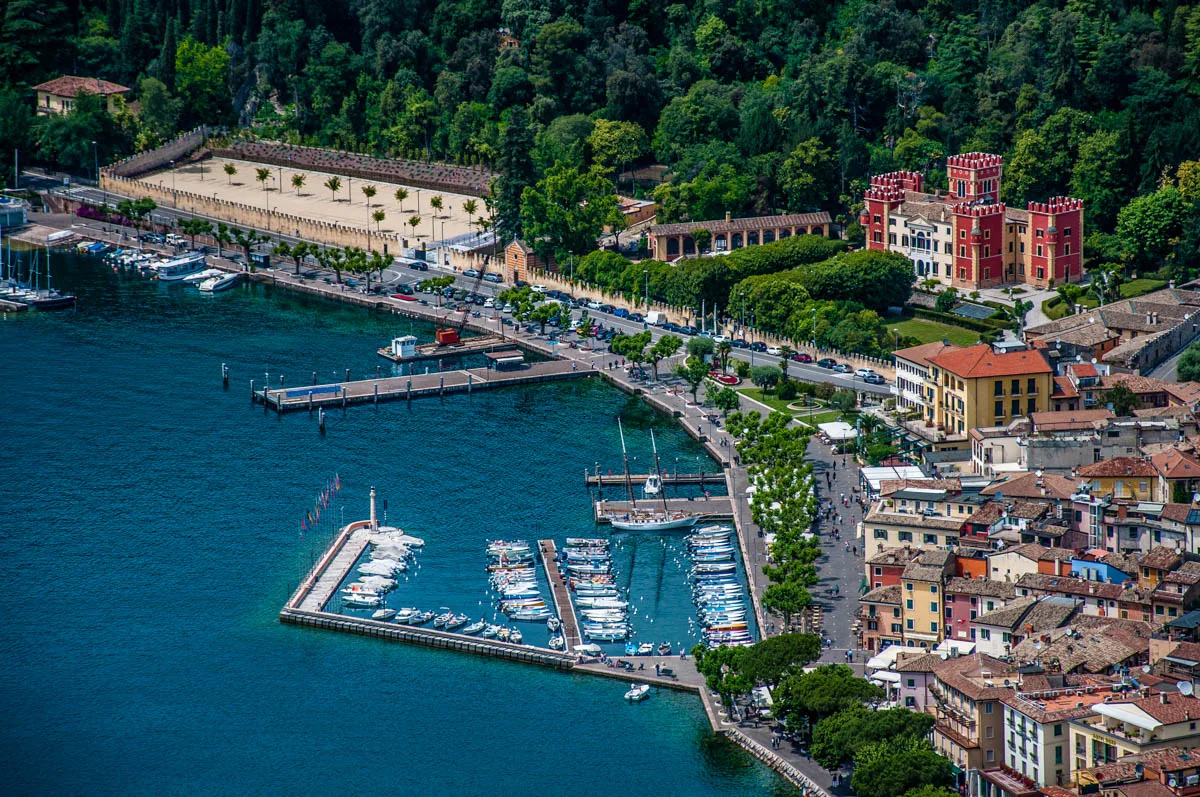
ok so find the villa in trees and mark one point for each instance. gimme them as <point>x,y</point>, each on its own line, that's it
<point>966,237</point>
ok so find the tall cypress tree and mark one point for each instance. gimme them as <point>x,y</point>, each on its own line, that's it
<point>166,56</point>
<point>516,172</point>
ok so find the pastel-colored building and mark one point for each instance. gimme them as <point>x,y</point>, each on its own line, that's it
<point>669,242</point>
<point>58,96</point>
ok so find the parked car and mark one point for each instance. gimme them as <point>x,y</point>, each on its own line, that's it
<point>489,303</point>
<point>863,373</point>
<point>377,288</point>
<point>538,289</point>
<point>802,357</point>
<point>826,362</point>
<point>638,317</point>
<point>520,284</point>
<point>508,308</point>
<point>606,308</point>
<point>737,343</point>
<point>491,278</point>
<point>758,346</point>
<point>621,312</point>
<point>353,283</point>
<point>471,272</point>
<point>593,305</point>
<point>418,265</point>
<point>720,338</point>
<point>775,350</point>
<point>875,379</point>
<point>842,368</point>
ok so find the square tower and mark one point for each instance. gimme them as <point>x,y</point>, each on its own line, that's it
<point>978,246</point>
<point>879,203</point>
<point>975,177</point>
<point>1055,247</point>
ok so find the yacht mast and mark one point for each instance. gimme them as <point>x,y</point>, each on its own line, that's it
<point>625,456</point>
<point>658,472</point>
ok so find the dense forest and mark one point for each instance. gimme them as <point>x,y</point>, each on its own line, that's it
<point>753,106</point>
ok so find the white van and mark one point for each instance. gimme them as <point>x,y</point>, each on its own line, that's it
<point>654,318</point>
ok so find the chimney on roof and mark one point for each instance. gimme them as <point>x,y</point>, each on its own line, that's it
<point>728,217</point>
<point>1163,697</point>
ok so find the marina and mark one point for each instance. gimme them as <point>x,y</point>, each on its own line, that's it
<point>716,507</point>
<point>667,479</point>
<point>653,569</point>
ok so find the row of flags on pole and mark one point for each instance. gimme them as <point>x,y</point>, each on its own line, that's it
<point>321,502</point>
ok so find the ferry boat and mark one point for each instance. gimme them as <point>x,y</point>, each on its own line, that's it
<point>177,268</point>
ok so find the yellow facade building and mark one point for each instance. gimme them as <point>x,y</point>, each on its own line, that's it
<point>979,386</point>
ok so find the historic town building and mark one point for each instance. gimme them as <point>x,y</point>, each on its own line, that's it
<point>966,237</point>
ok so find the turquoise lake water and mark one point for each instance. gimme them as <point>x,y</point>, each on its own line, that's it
<point>150,534</point>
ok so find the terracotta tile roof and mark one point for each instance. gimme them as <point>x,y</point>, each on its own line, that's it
<point>1135,382</point>
<point>72,85</point>
<point>986,515</point>
<point>1093,650</point>
<point>982,587</point>
<point>1182,513</point>
<point>1063,585</point>
<point>1056,554</point>
<point>1176,464</point>
<point>1160,557</point>
<point>1064,388</point>
<point>1185,392</point>
<point>894,556</point>
<point>1177,708</point>
<point>744,224</point>
<point>890,486</point>
<point>1008,616</point>
<point>891,594</point>
<point>1083,370</point>
<point>1187,650</point>
<point>1118,466</point>
<point>913,521</point>
<point>920,572</point>
<point>1029,485</point>
<point>1143,788</point>
<point>965,673</point>
<point>923,663</point>
<point>981,361</point>
<point>1068,419</point>
<point>1055,707</point>
<point>921,355</point>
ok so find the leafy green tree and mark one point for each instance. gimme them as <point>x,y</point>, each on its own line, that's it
<point>262,175</point>
<point>931,791</point>
<point>401,195</point>
<point>844,400</point>
<point>821,692</point>
<point>160,111</point>
<point>703,239</point>
<point>838,737</point>
<point>700,348</point>
<point>616,144</point>
<point>769,659</point>
<point>378,216</point>
<point>414,222</point>
<point>202,76</point>
<point>194,227</point>
<point>664,347</point>
<point>693,371</point>
<point>1150,226</point>
<point>369,192</point>
<point>1123,400</point>
<point>807,176</point>
<point>568,209</point>
<point>298,182</point>
<point>766,377</point>
<point>891,767</point>
<point>436,202</point>
<point>1188,367</point>
<point>727,400</point>
<point>946,300</point>
<point>787,598</point>
<point>334,184</point>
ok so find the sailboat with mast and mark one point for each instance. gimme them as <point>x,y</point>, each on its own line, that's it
<point>648,519</point>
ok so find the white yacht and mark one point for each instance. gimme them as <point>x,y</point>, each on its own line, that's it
<point>638,692</point>
<point>206,274</point>
<point>221,283</point>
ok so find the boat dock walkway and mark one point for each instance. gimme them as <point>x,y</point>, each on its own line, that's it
<point>391,388</point>
<point>669,479</point>
<point>436,351</point>
<point>718,507</point>
<point>562,594</point>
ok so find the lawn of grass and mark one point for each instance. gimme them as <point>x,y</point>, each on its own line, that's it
<point>1140,287</point>
<point>755,392</point>
<point>827,416</point>
<point>932,331</point>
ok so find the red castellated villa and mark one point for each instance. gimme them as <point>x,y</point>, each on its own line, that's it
<point>966,237</point>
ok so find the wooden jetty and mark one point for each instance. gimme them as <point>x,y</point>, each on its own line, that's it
<point>718,507</point>
<point>341,394</point>
<point>562,594</point>
<point>438,351</point>
<point>668,478</point>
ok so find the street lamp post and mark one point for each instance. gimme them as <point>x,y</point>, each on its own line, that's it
<point>174,196</point>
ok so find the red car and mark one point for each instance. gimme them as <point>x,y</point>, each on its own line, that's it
<point>801,357</point>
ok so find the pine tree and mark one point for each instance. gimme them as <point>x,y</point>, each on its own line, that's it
<point>166,56</point>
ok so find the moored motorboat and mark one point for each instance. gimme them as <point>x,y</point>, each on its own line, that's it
<point>475,628</point>
<point>383,614</point>
<point>637,692</point>
<point>557,643</point>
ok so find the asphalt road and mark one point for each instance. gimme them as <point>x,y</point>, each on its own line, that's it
<point>401,273</point>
